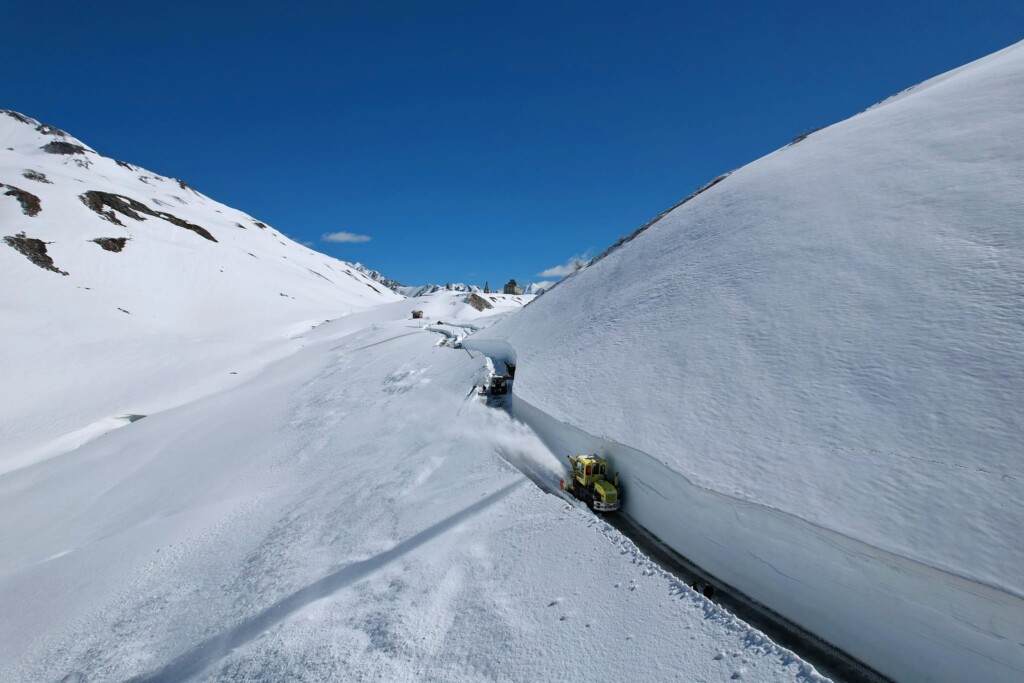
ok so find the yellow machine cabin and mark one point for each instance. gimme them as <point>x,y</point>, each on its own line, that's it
<point>590,483</point>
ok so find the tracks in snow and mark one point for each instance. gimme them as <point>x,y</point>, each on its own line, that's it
<point>825,657</point>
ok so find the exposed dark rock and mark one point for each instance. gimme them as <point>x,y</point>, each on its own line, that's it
<point>34,250</point>
<point>261,226</point>
<point>16,116</point>
<point>319,275</point>
<point>62,147</point>
<point>37,176</point>
<point>240,225</point>
<point>802,136</point>
<point>129,207</point>
<point>114,244</point>
<point>183,185</point>
<point>125,164</point>
<point>123,311</point>
<point>47,129</point>
<point>97,201</point>
<point>372,287</point>
<point>30,204</point>
<point>181,223</point>
<point>478,302</point>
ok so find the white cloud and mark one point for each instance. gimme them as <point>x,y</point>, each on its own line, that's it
<point>570,266</point>
<point>348,237</point>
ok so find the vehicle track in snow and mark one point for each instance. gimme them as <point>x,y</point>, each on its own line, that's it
<point>823,656</point>
<point>827,659</point>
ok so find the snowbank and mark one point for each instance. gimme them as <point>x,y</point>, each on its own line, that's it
<point>831,337</point>
<point>343,514</point>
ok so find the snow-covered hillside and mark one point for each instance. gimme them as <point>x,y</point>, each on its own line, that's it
<point>127,292</point>
<point>347,513</point>
<point>424,290</point>
<point>812,376</point>
<point>377,276</point>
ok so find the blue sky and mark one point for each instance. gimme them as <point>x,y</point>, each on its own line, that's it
<point>468,141</point>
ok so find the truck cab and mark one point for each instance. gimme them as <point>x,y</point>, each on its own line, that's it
<point>592,484</point>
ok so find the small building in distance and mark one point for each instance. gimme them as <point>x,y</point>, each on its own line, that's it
<point>513,288</point>
<point>417,314</point>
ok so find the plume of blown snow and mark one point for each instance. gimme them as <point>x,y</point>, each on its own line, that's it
<point>497,432</point>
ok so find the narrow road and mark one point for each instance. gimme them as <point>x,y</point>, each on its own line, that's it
<point>826,658</point>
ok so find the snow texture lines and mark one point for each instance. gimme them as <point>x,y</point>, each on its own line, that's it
<point>195,660</point>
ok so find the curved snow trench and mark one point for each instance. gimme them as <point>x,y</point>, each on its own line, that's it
<point>854,611</point>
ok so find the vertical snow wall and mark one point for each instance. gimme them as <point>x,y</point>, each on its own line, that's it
<point>909,621</point>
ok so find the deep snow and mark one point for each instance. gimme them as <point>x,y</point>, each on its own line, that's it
<point>235,458</point>
<point>170,317</point>
<point>829,339</point>
<point>346,513</point>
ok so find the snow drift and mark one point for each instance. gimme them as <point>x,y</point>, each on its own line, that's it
<point>128,292</point>
<point>829,338</point>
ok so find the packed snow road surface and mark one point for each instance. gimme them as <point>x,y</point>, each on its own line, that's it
<point>345,514</point>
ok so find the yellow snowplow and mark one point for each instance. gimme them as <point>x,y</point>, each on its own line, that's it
<point>591,484</point>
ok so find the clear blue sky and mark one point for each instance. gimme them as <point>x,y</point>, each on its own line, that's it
<point>469,140</point>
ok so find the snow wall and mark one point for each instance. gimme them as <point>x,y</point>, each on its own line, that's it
<point>833,335</point>
<point>907,620</point>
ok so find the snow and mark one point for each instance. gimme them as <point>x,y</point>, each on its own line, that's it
<point>348,512</point>
<point>164,321</point>
<point>242,459</point>
<point>444,306</point>
<point>826,349</point>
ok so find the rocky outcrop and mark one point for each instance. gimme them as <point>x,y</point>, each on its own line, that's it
<point>34,250</point>
<point>108,205</point>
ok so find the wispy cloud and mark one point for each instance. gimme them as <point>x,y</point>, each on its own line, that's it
<point>347,237</point>
<point>570,266</point>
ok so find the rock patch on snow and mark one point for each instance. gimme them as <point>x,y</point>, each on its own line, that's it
<point>114,244</point>
<point>478,302</point>
<point>34,250</point>
<point>37,176</point>
<point>63,147</point>
<point>30,204</point>
<point>127,206</point>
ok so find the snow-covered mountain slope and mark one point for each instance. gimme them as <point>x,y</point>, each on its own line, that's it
<point>377,276</point>
<point>347,513</point>
<point>445,305</point>
<point>827,346</point>
<point>128,292</point>
<point>424,290</point>
<point>538,287</point>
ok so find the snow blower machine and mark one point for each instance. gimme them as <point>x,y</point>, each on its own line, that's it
<point>590,483</point>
